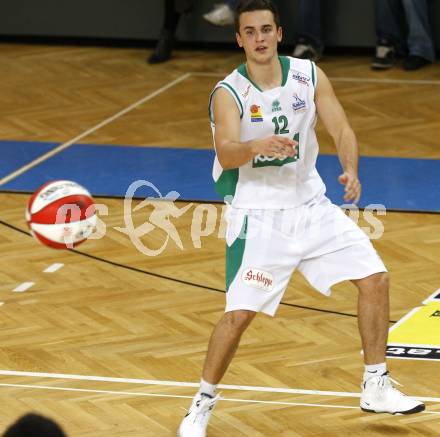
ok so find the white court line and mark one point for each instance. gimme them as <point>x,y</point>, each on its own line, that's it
<point>191,384</point>
<point>348,79</point>
<point>392,81</point>
<point>53,268</point>
<point>396,357</point>
<point>23,287</point>
<point>90,131</point>
<point>127,393</point>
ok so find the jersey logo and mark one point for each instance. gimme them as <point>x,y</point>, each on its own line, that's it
<point>272,161</point>
<point>258,278</point>
<point>276,106</point>
<point>298,104</point>
<point>302,78</point>
<point>246,93</point>
<point>256,115</point>
<point>267,161</point>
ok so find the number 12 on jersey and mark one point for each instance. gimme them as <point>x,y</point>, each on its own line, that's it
<point>280,123</point>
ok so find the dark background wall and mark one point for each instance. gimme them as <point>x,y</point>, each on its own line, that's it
<point>346,23</point>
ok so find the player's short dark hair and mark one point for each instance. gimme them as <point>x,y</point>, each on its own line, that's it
<point>34,425</point>
<point>255,5</point>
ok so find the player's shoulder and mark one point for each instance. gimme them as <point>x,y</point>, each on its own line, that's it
<point>237,79</point>
<point>232,88</point>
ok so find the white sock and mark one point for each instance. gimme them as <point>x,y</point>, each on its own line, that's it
<point>374,370</point>
<point>207,388</point>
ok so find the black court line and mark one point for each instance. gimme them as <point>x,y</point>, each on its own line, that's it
<point>213,202</point>
<point>180,281</point>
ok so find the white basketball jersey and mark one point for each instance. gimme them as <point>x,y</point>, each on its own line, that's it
<point>288,110</point>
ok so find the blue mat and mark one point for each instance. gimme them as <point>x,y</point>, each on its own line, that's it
<point>397,183</point>
<point>16,154</point>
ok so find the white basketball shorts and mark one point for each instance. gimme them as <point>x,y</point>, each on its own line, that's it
<point>264,247</point>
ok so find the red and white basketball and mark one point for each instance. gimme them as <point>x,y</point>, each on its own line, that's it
<point>61,214</point>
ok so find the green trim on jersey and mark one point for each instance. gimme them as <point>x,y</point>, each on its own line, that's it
<point>210,114</point>
<point>235,95</point>
<point>243,71</point>
<point>313,73</point>
<point>285,67</point>
<point>234,255</point>
<point>226,184</point>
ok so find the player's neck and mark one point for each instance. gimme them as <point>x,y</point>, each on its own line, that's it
<point>266,76</point>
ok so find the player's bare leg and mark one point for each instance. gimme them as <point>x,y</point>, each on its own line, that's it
<point>378,394</point>
<point>373,316</point>
<point>222,346</point>
<point>224,342</point>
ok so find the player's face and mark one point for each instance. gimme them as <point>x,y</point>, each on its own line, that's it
<point>259,35</point>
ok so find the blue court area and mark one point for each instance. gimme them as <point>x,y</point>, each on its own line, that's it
<point>15,154</point>
<point>106,170</point>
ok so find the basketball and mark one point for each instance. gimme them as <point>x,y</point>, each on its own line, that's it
<point>61,214</point>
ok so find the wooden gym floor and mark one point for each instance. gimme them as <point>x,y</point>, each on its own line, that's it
<point>114,313</point>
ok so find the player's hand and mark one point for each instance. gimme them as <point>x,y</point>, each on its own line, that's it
<point>352,186</point>
<point>276,145</point>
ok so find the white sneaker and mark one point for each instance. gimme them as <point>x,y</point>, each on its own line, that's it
<point>196,420</point>
<point>221,15</point>
<point>379,396</point>
<point>306,51</point>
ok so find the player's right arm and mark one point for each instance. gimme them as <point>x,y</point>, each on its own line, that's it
<point>232,153</point>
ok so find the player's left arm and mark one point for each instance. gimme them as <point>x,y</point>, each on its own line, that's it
<point>335,121</point>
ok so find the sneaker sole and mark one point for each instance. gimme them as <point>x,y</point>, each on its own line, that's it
<point>417,409</point>
<point>381,66</point>
<point>214,22</point>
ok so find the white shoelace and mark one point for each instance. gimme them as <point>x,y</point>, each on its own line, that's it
<point>203,407</point>
<point>385,383</point>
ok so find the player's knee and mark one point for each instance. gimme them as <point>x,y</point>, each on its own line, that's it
<point>239,320</point>
<point>384,281</point>
<point>379,283</point>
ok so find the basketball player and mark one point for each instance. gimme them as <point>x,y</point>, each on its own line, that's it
<point>263,116</point>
